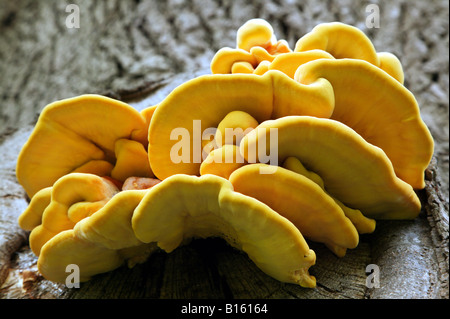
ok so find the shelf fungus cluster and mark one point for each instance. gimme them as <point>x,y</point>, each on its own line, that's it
<point>275,148</point>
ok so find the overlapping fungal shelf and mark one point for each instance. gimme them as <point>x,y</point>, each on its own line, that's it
<point>110,185</point>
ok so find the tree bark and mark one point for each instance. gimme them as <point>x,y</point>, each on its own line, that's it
<point>138,51</point>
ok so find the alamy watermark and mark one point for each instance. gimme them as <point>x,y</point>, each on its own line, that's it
<point>193,141</point>
<point>73,18</point>
<point>373,277</point>
<point>73,279</point>
<point>373,16</point>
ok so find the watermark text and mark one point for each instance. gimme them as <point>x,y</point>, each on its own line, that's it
<point>73,19</point>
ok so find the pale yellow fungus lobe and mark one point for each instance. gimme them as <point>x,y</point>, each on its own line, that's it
<point>357,173</point>
<point>222,161</point>
<point>344,41</point>
<point>72,198</point>
<point>380,109</point>
<point>181,121</point>
<point>300,200</point>
<point>363,224</point>
<point>73,133</point>
<point>207,206</point>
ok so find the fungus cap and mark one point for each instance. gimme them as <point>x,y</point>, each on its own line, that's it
<point>207,206</point>
<point>225,58</point>
<point>380,109</point>
<point>340,40</point>
<point>362,224</point>
<point>391,64</point>
<point>74,132</point>
<point>289,63</point>
<point>355,172</point>
<point>180,120</point>
<point>98,243</point>
<point>72,198</point>
<point>131,160</point>
<point>67,249</point>
<point>222,161</point>
<point>233,127</point>
<point>255,32</point>
<point>31,217</point>
<point>302,201</point>
<point>344,41</point>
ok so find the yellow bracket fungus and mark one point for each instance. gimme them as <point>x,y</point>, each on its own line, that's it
<point>222,161</point>
<point>77,134</point>
<point>66,249</point>
<point>181,119</point>
<point>98,243</point>
<point>255,43</point>
<point>339,39</point>
<point>355,172</point>
<point>225,58</point>
<point>259,33</point>
<point>84,220</point>
<point>300,200</point>
<point>100,238</point>
<point>255,32</point>
<point>31,217</point>
<point>110,185</point>
<point>345,41</point>
<point>389,63</point>
<point>237,122</point>
<point>289,63</point>
<point>72,198</point>
<point>363,224</point>
<point>207,206</point>
<point>380,109</point>
<point>131,160</point>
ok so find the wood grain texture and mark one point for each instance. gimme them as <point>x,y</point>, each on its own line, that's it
<point>138,51</point>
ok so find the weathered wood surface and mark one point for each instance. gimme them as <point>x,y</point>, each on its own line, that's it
<point>138,51</point>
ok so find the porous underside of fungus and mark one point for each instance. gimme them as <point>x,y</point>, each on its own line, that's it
<point>325,139</point>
